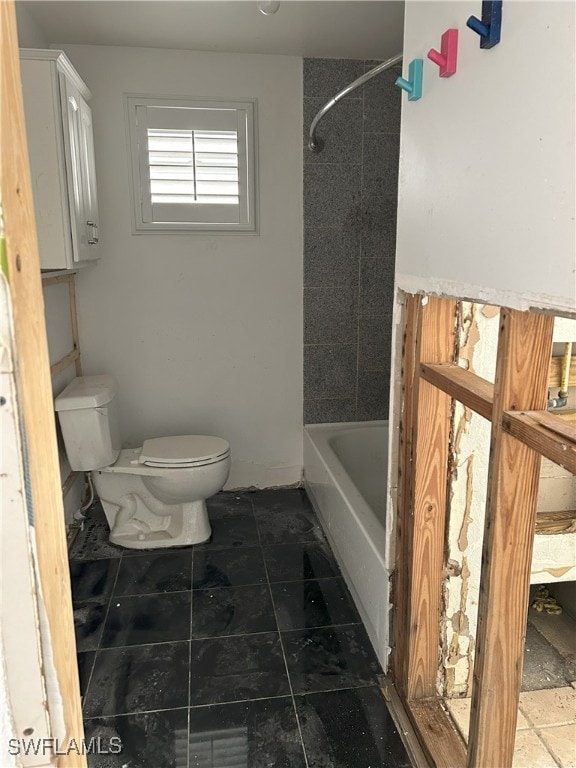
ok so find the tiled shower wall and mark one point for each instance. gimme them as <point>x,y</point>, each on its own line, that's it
<point>350,200</point>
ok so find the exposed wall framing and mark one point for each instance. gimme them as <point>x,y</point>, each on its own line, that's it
<point>72,357</point>
<point>521,432</point>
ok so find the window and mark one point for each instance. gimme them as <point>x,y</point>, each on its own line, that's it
<point>193,165</point>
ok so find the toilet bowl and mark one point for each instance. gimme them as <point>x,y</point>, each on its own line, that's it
<point>160,505</point>
<point>153,496</point>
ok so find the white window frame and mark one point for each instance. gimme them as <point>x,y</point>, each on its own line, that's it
<point>246,113</point>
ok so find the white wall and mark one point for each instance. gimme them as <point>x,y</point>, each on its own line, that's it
<point>30,34</point>
<point>486,192</point>
<point>204,333</point>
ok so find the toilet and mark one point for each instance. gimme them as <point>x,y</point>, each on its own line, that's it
<point>153,496</point>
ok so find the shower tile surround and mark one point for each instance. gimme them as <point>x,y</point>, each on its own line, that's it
<point>248,646</point>
<point>350,200</point>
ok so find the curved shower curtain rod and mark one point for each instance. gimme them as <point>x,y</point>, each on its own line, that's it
<point>316,145</point>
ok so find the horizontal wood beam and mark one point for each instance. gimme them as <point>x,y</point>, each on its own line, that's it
<point>551,435</point>
<point>62,364</point>
<point>544,433</point>
<point>549,523</point>
<point>462,385</point>
<point>441,742</point>
<point>555,378</point>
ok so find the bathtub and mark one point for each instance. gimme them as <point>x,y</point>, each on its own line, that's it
<point>345,471</point>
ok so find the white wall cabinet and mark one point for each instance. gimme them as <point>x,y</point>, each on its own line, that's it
<point>61,148</point>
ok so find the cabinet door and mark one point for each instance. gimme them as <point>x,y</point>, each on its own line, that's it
<point>79,170</point>
<point>87,167</point>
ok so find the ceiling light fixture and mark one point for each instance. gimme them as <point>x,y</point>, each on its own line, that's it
<point>268,7</point>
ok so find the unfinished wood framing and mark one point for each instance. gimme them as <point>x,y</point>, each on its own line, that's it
<point>427,492</point>
<point>403,724</point>
<point>34,388</point>
<point>73,357</point>
<point>555,378</point>
<point>522,431</point>
<point>471,390</point>
<point>547,434</point>
<point>441,742</point>
<point>551,523</point>
<point>524,350</point>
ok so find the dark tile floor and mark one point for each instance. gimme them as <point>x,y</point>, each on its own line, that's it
<point>243,652</point>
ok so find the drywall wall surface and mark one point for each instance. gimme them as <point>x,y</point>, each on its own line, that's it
<point>30,33</point>
<point>487,183</point>
<point>203,332</point>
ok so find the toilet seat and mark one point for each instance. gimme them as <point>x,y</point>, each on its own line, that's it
<point>183,451</point>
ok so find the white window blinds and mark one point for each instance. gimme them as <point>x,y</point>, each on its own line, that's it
<point>193,164</point>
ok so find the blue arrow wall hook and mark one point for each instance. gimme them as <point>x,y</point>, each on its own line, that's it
<point>412,86</point>
<point>490,27</point>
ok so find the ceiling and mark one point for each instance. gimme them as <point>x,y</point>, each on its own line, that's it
<point>314,28</point>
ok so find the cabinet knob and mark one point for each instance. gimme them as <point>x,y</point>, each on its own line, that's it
<point>92,233</point>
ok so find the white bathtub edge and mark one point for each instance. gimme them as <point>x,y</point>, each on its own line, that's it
<point>362,564</point>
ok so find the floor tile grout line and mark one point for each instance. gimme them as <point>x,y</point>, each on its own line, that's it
<point>232,701</point>
<point>217,586</point>
<point>135,712</point>
<point>547,747</point>
<point>236,634</point>
<point>154,594</point>
<point>142,645</point>
<point>190,660</point>
<point>285,664</point>
<point>99,644</point>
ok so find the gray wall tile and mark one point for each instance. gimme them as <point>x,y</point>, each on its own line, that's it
<point>329,371</point>
<point>340,130</point>
<point>379,227</point>
<point>326,77</point>
<point>330,315</point>
<point>331,255</point>
<point>373,395</point>
<point>376,286</point>
<point>382,102</point>
<point>350,201</point>
<point>374,343</point>
<point>380,164</point>
<point>329,411</point>
<point>332,196</point>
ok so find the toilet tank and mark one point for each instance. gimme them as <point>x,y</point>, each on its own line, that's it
<point>89,420</point>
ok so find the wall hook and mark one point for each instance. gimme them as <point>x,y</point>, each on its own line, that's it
<point>413,86</point>
<point>447,58</point>
<point>490,26</point>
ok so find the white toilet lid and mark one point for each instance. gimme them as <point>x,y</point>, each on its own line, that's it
<point>182,450</point>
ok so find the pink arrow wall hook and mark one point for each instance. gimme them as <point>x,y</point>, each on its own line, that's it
<point>448,55</point>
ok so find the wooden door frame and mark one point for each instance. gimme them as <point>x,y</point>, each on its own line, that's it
<point>34,393</point>
<point>522,432</point>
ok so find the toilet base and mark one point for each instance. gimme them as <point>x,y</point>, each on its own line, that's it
<point>180,525</point>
